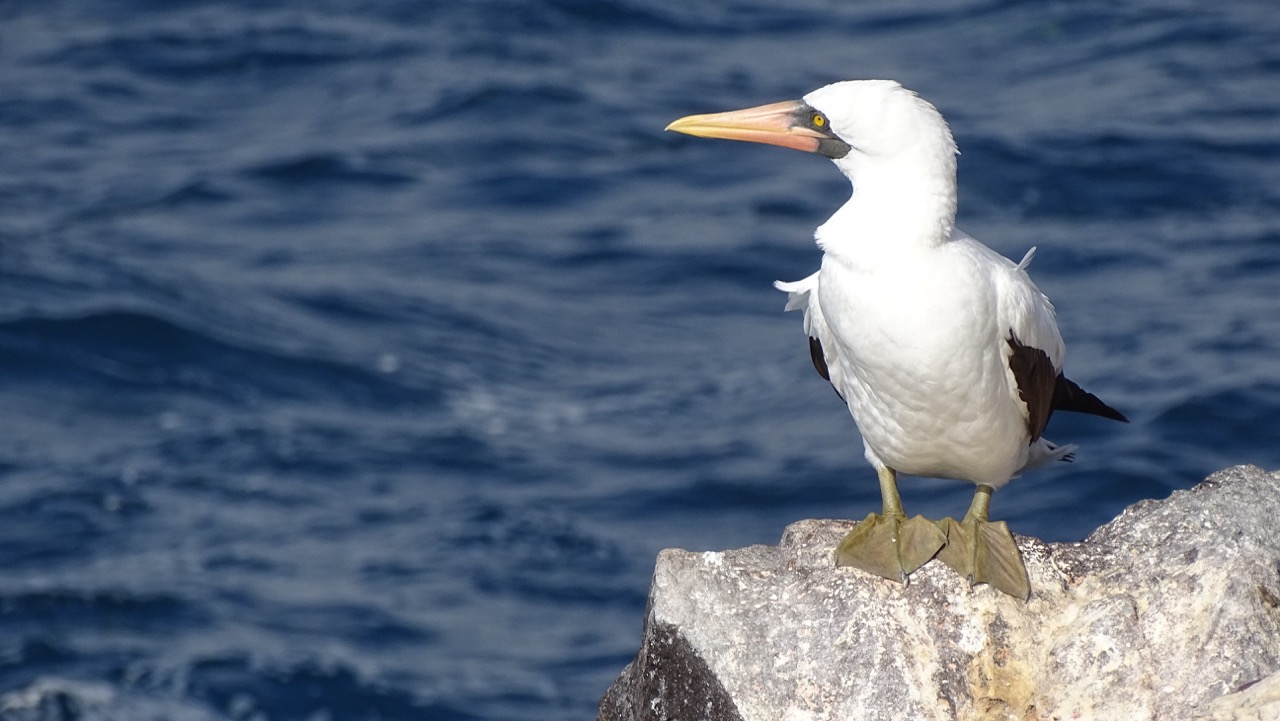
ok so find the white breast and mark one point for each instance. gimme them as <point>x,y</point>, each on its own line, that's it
<point>917,344</point>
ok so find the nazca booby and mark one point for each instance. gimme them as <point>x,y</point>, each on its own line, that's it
<point>947,354</point>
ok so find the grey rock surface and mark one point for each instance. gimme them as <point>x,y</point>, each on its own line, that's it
<point>1169,612</point>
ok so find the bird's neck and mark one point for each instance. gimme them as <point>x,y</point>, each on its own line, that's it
<point>896,207</point>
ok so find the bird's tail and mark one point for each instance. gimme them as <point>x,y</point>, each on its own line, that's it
<point>1043,453</point>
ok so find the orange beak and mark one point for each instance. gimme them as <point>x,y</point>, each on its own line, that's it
<point>787,124</point>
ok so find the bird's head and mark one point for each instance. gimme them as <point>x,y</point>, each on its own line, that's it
<point>852,122</point>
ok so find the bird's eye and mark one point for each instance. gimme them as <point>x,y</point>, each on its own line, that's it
<point>819,120</point>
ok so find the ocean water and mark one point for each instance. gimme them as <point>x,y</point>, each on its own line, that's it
<point>357,358</point>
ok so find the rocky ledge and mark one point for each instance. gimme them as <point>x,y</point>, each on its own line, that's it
<point>1169,612</point>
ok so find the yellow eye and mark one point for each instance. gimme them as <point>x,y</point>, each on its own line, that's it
<point>819,120</point>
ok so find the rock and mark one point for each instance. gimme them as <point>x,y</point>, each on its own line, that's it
<point>1255,702</point>
<point>1169,612</point>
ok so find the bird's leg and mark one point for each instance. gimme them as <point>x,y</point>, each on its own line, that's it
<point>890,544</point>
<point>984,552</point>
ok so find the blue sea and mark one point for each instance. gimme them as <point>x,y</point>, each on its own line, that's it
<point>357,358</point>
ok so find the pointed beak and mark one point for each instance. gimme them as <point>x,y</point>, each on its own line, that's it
<point>788,124</point>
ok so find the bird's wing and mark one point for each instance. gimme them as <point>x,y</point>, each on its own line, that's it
<point>1029,329</point>
<point>1035,349</point>
<point>803,295</point>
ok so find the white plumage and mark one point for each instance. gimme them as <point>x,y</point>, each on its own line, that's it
<point>925,369</point>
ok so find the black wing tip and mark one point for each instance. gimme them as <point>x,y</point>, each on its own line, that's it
<point>819,358</point>
<point>820,363</point>
<point>1037,382</point>
<point>1068,396</point>
<point>1102,410</point>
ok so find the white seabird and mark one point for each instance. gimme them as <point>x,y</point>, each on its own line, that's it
<point>946,353</point>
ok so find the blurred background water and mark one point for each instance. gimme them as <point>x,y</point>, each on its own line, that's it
<point>357,358</point>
